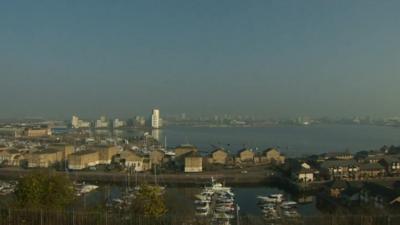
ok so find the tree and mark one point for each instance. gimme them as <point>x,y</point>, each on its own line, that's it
<point>44,191</point>
<point>149,201</point>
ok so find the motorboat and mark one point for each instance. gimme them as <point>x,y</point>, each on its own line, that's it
<point>201,201</point>
<point>224,209</point>
<point>290,213</point>
<point>288,205</point>
<point>274,198</point>
<point>223,216</point>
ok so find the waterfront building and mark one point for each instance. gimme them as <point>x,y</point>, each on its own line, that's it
<point>102,123</point>
<point>302,172</point>
<point>184,149</point>
<point>155,133</point>
<point>83,159</point>
<point>219,156</point>
<point>272,156</point>
<point>36,132</point>
<point>157,156</point>
<point>340,169</point>
<point>53,154</point>
<point>245,155</point>
<point>100,154</point>
<point>155,119</point>
<point>10,157</point>
<point>391,164</point>
<point>371,170</point>
<point>135,160</point>
<point>346,155</point>
<point>106,152</point>
<point>117,123</point>
<point>193,163</point>
<point>139,121</point>
<point>78,123</point>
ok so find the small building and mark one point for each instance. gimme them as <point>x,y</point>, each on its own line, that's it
<point>106,152</point>
<point>337,187</point>
<point>45,158</point>
<point>219,156</point>
<point>135,160</point>
<point>157,157</point>
<point>10,157</point>
<point>184,149</point>
<point>341,169</point>
<point>391,164</point>
<point>346,155</point>
<point>273,156</point>
<point>371,170</point>
<point>302,172</point>
<point>36,132</point>
<point>83,159</point>
<point>245,155</point>
<point>193,163</point>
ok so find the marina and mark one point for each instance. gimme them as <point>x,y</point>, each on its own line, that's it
<point>217,203</point>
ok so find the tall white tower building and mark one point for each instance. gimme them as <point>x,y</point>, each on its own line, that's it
<point>155,119</point>
<point>75,122</point>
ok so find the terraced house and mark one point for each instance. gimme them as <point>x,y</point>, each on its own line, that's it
<point>57,153</point>
<point>135,160</point>
<point>340,169</point>
<point>218,156</point>
<point>10,157</point>
<point>272,156</point>
<point>245,156</point>
<point>95,155</point>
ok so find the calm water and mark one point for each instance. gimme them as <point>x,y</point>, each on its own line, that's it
<point>292,140</point>
<point>180,199</point>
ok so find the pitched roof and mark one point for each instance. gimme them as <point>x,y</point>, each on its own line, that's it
<point>391,159</point>
<point>218,149</point>
<point>371,166</point>
<point>338,184</point>
<point>336,163</point>
<point>244,149</point>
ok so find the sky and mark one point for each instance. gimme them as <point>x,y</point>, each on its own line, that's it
<point>272,58</point>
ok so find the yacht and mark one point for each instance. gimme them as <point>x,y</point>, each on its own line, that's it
<point>274,198</point>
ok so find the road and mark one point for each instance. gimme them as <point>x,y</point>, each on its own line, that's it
<point>253,176</point>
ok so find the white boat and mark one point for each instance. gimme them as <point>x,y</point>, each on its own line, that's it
<point>201,201</point>
<point>85,188</point>
<point>291,213</point>
<point>217,187</point>
<point>225,209</point>
<point>88,188</point>
<point>274,198</point>
<point>288,205</point>
<point>268,206</point>
<point>202,197</point>
<point>223,216</point>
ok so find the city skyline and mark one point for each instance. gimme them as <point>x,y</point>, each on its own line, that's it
<point>263,58</point>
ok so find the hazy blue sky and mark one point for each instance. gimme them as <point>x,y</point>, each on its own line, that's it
<point>273,58</point>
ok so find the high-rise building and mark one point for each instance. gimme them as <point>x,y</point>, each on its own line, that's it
<point>117,123</point>
<point>102,122</point>
<point>77,123</point>
<point>155,119</point>
<point>140,121</point>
